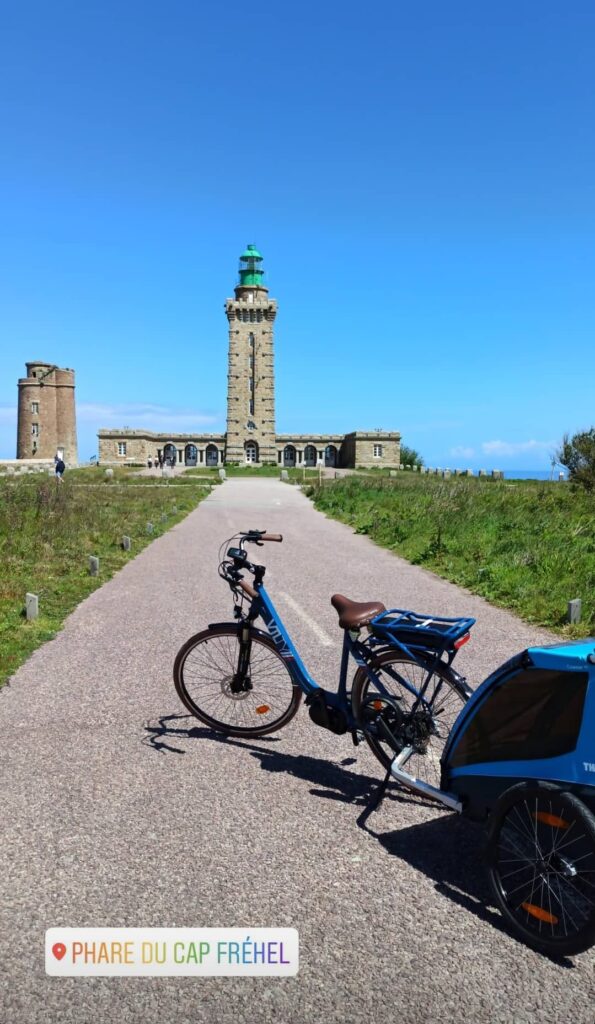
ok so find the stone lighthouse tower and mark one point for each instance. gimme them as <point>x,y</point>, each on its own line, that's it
<point>251,376</point>
<point>46,413</point>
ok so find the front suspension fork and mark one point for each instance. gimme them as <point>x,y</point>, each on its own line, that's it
<point>240,682</point>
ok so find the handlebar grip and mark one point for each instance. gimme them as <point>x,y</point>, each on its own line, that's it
<point>250,591</point>
<point>272,536</point>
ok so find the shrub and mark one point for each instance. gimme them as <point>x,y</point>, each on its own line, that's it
<point>578,455</point>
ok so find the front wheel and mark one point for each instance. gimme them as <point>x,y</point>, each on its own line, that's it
<point>541,863</point>
<point>424,724</point>
<point>205,674</point>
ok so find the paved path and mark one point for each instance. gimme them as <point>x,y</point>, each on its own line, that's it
<point>121,810</point>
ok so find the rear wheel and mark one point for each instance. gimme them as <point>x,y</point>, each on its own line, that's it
<point>425,725</point>
<point>541,863</point>
<point>205,672</point>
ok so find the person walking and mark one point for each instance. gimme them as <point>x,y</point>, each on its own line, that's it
<point>60,466</point>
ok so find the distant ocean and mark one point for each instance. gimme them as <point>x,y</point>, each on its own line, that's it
<point>532,474</point>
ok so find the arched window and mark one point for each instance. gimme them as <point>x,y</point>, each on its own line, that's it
<point>310,455</point>
<point>191,455</point>
<point>212,455</point>
<point>170,454</point>
<point>251,450</point>
<point>289,455</point>
<point>330,455</point>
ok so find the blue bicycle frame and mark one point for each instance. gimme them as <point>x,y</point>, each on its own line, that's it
<point>263,606</point>
<point>363,653</point>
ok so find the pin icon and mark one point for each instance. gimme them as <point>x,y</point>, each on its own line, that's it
<point>58,949</point>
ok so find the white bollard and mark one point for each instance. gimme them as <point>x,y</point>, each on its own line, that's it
<point>575,608</point>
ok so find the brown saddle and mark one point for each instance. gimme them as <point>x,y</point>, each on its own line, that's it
<point>354,614</point>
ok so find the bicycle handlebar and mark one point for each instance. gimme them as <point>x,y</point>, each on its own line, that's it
<point>230,571</point>
<point>257,537</point>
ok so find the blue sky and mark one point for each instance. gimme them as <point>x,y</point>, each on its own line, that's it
<point>419,177</point>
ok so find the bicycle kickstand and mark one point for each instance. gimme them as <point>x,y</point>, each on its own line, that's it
<point>380,793</point>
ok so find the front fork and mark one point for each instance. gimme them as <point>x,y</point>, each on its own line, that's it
<point>241,681</point>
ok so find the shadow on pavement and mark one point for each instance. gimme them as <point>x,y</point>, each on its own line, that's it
<point>337,782</point>
<point>447,849</point>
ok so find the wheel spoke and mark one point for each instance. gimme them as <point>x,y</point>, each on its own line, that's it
<point>431,709</point>
<point>544,867</point>
<point>205,682</point>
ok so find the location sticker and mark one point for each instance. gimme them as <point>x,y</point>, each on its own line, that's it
<point>169,952</point>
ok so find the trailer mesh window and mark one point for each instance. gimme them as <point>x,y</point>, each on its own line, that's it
<point>533,714</point>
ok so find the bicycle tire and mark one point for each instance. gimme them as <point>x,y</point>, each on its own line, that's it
<point>541,865</point>
<point>203,669</point>
<point>447,694</point>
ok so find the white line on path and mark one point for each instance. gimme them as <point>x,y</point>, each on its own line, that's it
<point>325,640</point>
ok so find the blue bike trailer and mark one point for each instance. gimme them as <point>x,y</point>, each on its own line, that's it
<point>532,719</point>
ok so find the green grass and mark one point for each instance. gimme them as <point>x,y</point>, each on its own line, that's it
<point>273,472</point>
<point>47,532</point>
<point>526,545</point>
<point>130,477</point>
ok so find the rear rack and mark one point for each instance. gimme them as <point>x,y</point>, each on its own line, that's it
<point>420,631</point>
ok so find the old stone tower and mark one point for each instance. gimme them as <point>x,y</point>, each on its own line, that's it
<point>46,413</point>
<point>251,437</point>
<point>251,375</point>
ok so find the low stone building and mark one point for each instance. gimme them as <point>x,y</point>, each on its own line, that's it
<point>250,437</point>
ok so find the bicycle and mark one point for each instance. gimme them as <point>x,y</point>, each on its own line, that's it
<point>517,755</point>
<point>247,682</point>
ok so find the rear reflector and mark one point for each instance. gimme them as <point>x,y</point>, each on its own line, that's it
<point>462,640</point>
<point>551,819</point>
<point>539,913</point>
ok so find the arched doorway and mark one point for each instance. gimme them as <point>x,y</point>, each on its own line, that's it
<point>191,455</point>
<point>289,455</point>
<point>170,455</point>
<point>330,455</point>
<point>310,455</point>
<point>212,455</point>
<point>251,451</point>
